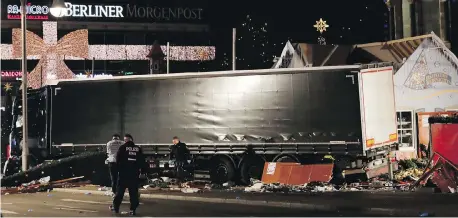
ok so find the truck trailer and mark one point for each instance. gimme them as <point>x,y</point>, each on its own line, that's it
<point>232,121</point>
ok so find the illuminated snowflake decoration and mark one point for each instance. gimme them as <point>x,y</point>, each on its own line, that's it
<point>321,25</point>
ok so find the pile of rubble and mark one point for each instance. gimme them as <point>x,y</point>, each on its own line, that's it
<point>44,184</point>
<point>258,186</point>
<point>170,184</point>
<point>410,171</point>
<point>318,187</point>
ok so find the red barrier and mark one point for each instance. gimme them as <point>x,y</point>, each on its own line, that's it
<point>445,141</point>
<point>296,174</point>
<point>443,164</point>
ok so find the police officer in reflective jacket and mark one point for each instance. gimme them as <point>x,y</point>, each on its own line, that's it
<point>131,163</point>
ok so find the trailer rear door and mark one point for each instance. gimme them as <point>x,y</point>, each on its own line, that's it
<point>378,111</point>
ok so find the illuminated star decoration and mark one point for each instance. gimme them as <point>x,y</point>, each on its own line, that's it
<point>321,25</point>
<point>8,87</point>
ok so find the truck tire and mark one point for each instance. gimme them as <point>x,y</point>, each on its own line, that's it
<point>251,168</point>
<point>222,170</point>
<point>287,159</point>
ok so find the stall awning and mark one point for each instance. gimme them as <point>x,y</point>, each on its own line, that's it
<point>394,51</point>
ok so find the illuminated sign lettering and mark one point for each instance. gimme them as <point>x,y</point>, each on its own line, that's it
<point>164,13</point>
<point>72,10</point>
<point>34,12</point>
<point>41,12</point>
<point>11,74</point>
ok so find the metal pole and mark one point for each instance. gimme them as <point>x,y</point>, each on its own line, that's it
<point>390,23</point>
<point>329,55</point>
<point>93,66</point>
<point>168,57</point>
<point>25,132</point>
<point>449,29</point>
<point>234,36</point>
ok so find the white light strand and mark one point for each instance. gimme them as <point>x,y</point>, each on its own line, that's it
<point>130,52</point>
<point>50,32</point>
<point>117,52</point>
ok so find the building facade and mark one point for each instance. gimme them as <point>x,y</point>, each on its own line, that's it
<point>95,39</point>
<point>410,18</point>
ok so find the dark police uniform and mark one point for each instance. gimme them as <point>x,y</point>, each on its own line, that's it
<point>130,161</point>
<point>180,152</point>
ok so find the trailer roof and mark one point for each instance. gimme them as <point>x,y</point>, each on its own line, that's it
<point>212,74</point>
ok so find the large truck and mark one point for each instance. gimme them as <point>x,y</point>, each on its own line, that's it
<point>232,121</point>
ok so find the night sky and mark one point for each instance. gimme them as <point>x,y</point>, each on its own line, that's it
<point>263,27</point>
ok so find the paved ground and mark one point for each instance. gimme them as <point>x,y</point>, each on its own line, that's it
<point>59,204</point>
<point>408,203</point>
<point>55,204</point>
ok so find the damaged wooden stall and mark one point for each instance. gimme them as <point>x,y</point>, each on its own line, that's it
<point>443,164</point>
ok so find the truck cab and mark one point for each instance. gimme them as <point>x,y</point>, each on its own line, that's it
<point>38,148</point>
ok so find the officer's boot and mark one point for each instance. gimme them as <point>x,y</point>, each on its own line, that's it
<point>113,209</point>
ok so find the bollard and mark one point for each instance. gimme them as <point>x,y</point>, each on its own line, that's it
<point>390,167</point>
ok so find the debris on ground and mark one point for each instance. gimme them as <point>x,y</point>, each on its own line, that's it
<point>88,164</point>
<point>44,180</point>
<point>190,190</point>
<point>410,171</point>
<point>258,186</point>
<point>412,174</point>
<point>103,188</point>
<point>43,185</point>
<point>413,164</point>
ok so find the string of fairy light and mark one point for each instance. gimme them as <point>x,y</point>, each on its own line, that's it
<point>51,52</point>
<point>252,36</point>
<point>254,49</point>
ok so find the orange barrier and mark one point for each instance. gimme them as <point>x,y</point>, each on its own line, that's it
<point>296,174</point>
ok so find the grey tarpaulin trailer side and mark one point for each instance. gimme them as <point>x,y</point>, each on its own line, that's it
<point>227,117</point>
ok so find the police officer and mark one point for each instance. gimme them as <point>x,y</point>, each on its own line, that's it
<point>131,162</point>
<point>180,152</point>
<point>112,150</point>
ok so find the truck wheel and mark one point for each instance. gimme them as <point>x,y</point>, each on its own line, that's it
<point>223,170</point>
<point>287,159</point>
<point>252,167</point>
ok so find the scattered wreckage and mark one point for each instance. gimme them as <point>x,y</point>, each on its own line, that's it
<point>443,163</point>
<point>44,185</point>
<point>317,179</point>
